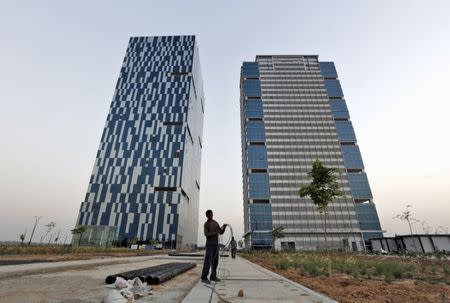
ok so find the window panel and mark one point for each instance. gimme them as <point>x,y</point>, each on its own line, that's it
<point>328,70</point>
<point>359,185</point>
<point>345,131</point>
<point>333,88</point>
<point>339,109</point>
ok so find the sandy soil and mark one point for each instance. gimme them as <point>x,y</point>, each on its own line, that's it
<point>345,289</point>
<point>88,285</point>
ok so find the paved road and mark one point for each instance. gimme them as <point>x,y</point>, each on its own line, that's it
<point>257,283</point>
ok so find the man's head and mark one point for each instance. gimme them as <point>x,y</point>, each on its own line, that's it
<point>232,238</point>
<point>209,214</point>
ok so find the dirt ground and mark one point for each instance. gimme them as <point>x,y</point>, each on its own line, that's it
<point>88,285</point>
<point>32,258</point>
<point>346,289</point>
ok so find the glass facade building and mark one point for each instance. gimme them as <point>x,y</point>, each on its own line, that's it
<point>146,178</point>
<point>293,112</point>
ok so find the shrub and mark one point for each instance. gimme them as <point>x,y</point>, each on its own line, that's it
<point>446,270</point>
<point>282,264</point>
<point>388,277</point>
<point>379,269</point>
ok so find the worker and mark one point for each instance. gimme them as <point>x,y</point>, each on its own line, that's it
<point>212,230</point>
<point>233,247</point>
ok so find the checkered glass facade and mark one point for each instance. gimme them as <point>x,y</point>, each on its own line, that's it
<point>146,176</point>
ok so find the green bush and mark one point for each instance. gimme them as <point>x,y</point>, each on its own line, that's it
<point>388,277</point>
<point>379,269</point>
<point>282,264</point>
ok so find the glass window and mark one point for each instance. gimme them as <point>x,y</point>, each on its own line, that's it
<point>339,108</point>
<point>328,70</point>
<point>333,88</point>
<point>257,156</point>
<point>345,131</point>
<point>359,185</point>
<point>258,184</point>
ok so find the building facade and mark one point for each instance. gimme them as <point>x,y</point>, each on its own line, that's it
<point>293,112</point>
<point>145,182</point>
<point>416,243</point>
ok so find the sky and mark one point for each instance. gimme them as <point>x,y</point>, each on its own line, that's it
<point>60,61</point>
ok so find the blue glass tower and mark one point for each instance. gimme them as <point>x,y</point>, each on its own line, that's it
<point>366,212</point>
<point>293,112</point>
<point>146,178</point>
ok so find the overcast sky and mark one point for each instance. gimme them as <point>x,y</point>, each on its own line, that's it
<point>60,62</point>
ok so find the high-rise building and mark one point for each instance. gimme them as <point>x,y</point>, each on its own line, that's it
<point>145,182</point>
<point>293,112</point>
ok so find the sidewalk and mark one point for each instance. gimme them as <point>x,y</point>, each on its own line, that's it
<point>258,284</point>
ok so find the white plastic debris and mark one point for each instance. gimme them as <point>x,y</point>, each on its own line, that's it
<point>126,291</point>
<point>114,296</point>
<point>121,283</point>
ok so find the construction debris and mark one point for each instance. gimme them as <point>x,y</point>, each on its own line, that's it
<point>126,291</point>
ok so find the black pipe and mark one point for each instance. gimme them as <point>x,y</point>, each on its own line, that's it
<point>164,275</point>
<point>142,273</point>
<point>191,255</point>
<point>160,271</point>
<point>185,255</point>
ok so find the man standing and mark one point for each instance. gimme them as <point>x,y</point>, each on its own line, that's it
<point>212,231</point>
<point>233,247</point>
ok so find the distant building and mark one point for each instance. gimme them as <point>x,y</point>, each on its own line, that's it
<point>419,243</point>
<point>145,182</point>
<point>293,112</point>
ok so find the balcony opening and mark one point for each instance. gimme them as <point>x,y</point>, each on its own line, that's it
<point>173,123</point>
<point>160,188</point>
<point>185,195</point>
<point>179,74</point>
<point>257,143</point>
<point>258,171</point>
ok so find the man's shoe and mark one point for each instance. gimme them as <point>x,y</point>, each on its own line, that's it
<point>215,279</point>
<point>206,281</point>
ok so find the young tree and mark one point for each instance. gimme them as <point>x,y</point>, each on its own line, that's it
<point>322,190</point>
<point>277,233</point>
<point>57,237</point>
<point>80,230</point>
<point>22,237</point>
<point>407,216</point>
<point>36,221</point>
<point>49,226</point>
<point>345,244</point>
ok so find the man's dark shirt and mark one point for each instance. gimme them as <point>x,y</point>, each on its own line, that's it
<point>212,230</point>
